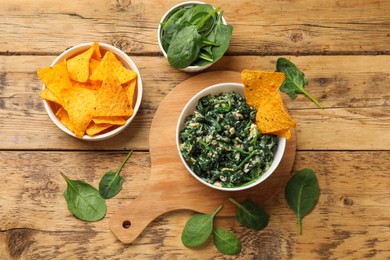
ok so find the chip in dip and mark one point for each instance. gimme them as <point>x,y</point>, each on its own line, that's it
<point>221,143</point>
<point>91,92</point>
<point>261,92</point>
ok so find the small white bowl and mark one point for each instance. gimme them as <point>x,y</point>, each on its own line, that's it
<point>187,4</point>
<point>189,109</point>
<point>127,62</point>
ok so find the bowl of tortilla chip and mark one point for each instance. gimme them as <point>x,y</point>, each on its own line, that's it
<point>91,91</point>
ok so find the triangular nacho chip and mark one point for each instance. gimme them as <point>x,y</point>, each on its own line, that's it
<point>261,92</point>
<point>111,99</point>
<point>78,66</point>
<point>111,65</point>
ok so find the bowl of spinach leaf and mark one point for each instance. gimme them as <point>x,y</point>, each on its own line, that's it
<point>219,143</point>
<point>193,35</point>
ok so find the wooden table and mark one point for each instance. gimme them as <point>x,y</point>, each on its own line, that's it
<point>342,46</point>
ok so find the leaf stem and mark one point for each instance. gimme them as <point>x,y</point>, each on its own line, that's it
<point>217,210</point>
<point>235,202</point>
<point>240,206</point>
<point>207,17</point>
<point>246,159</point>
<point>312,98</point>
<point>70,183</point>
<point>123,163</point>
<point>300,226</point>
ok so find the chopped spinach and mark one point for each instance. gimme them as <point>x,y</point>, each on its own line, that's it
<point>222,144</point>
<point>195,36</point>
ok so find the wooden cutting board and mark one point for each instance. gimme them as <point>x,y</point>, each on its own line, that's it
<point>170,186</point>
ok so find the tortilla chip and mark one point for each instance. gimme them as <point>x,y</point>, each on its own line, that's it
<point>111,99</point>
<point>48,95</point>
<point>96,51</point>
<point>80,104</point>
<point>90,84</point>
<point>130,90</point>
<point>261,92</point>
<point>93,64</point>
<point>111,65</point>
<point>94,129</point>
<point>56,78</point>
<point>78,66</point>
<point>260,85</point>
<point>286,133</point>
<point>63,116</point>
<point>113,120</point>
<point>272,117</point>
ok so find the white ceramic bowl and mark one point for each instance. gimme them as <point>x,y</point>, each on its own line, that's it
<point>127,62</point>
<point>189,109</point>
<point>187,4</point>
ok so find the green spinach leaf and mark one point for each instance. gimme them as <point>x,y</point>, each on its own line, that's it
<point>171,26</point>
<point>184,47</point>
<point>302,193</point>
<point>226,242</point>
<point>295,80</point>
<point>84,201</point>
<point>184,34</point>
<point>186,44</point>
<point>191,14</point>
<point>223,33</point>
<point>111,183</point>
<point>251,215</point>
<point>198,229</point>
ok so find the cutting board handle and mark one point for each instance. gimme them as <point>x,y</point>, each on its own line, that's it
<point>128,222</point>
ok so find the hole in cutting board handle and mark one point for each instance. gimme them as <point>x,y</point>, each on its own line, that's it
<point>126,224</point>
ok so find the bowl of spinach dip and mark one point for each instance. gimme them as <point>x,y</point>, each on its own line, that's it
<point>219,143</point>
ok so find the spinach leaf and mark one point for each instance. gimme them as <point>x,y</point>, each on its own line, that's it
<point>171,26</point>
<point>226,242</point>
<point>301,194</point>
<point>182,42</point>
<point>198,229</point>
<point>84,201</point>
<point>295,80</point>
<point>184,47</point>
<point>223,33</point>
<point>186,44</point>
<point>251,215</point>
<point>111,183</point>
<point>192,13</point>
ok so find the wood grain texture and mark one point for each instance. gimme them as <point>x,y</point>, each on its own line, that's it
<point>342,47</point>
<point>260,27</point>
<point>351,219</point>
<point>353,89</point>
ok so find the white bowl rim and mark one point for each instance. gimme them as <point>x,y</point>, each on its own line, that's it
<point>128,63</point>
<point>229,86</point>
<point>159,32</point>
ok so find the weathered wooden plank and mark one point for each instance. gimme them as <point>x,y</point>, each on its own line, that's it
<point>354,90</point>
<point>351,219</point>
<point>293,27</point>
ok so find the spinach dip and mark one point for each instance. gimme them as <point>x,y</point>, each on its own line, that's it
<point>222,144</point>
